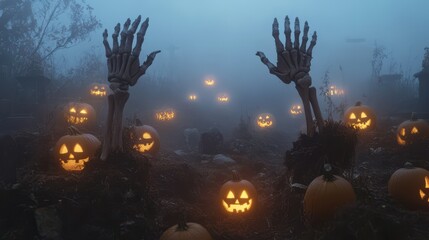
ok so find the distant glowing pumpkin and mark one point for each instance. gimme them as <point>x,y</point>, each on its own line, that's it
<point>145,139</point>
<point>238,196</point>
<point>78,113</point>
<point>165,115</point>
<point>335,91</point>
<point>410,186</point>
<point>265,120</point>
<point>360,117</point>
<point>295,110</point>
<point>192,97</point>
<point>209,82</point>
<point>412,131</point>
<point>76,149</point>
<point>223,98</point>
<point>99,90</point>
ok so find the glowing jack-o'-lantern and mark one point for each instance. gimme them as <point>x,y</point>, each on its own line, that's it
<point>335,91</point>
<point>412,131</point>
<point>76,149</point>
<point>265,120</point>
<point>192,97</point>
<point>78,113</point>
<point>99,90</point>
<point>326,195</point>
<point>410,186</point>
<point>295,110</point>
<point>360,117</point>
<point>209,82</point>
<point>238,196</point>
<point>165,115</point>
<point>223,98</point>
<point>145,139</point>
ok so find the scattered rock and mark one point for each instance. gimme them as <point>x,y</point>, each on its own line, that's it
<point>48,222</point>
<point>221,159</point>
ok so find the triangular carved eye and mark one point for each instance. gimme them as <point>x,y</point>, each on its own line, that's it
<point>78,148</point>
<point>363,115</point>
<point>83,111</point>
<point>63,149</point>
<point>414,130</point>
<point>352,116</point>
<point>230,195</point>
<point>244,195</point>
<point>73,110</point>
<point>146,135</point>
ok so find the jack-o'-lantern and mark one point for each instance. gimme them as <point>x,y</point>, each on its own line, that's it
<point>295,110</point>
<point>326,195</point>
<point>99,90</point>
<point>335,91</point>
<point>145,139</point>
<point>360,117</point>
<point>209,82</point>
<point>265,120</point>
<point>410,186</point>
<point>165,115</point>
<point>223,98</point>
<point>192,97</point>
<point>79,113</point>
<point>76,149</point>
<point>412,131</point>
<point>238,196</point>
<point>186,231</point>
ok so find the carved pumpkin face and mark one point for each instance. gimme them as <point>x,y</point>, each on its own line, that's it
<point>410,186</point>
<point>295,110</point>
<point>165,115</point>
<point>98,90</point>
<point>223,98</point>
<point>238,196</point>
<point>209,82</point>
<point>335,91</point>
<point>77,113</point>
<point>360,117</point>
<point>145,139</point>
<point>75,149</point>
<point>412,131</point>
<point>192,97</point>
<point>265,120</point>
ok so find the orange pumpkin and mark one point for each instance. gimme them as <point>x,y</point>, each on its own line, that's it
<point>186,231</point>
<point>360,117</point>
<point>412,131</point>
<point>326,195</point>
<point>238,196</point>
<point>145,139</point>
<point>79,113</point>
<point>410,186</point>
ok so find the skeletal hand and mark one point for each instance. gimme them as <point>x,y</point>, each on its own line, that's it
<point>122,63</point>
<point>293,62</point>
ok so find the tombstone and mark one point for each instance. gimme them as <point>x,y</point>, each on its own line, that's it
<point>192,137</point>
<point>211,142</point>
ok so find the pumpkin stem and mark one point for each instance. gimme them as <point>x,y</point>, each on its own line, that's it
<point>327,173</point>
<point>413,116</point>
<point>182,226</point>
<point>72,130</point>
<point>137,122</point>
<point>358,103</point>
<point>408,165</point>
<point>235,176</point>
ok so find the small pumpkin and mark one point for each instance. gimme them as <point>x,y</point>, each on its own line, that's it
<point>238,196</point>
<point>410,186</point>
<point>186,231</point>
<point>145,139</point>
<point>296,110</point>
<point>75,149</point>
<point>209,82</point>
<point>412,131</point>
<point>223,98</point>
<point>192,97</point>
<point>360,117</point>
<point>99,90</point>
<point>165,115</point>
<point>79,113</point>
<point>326,195</point>
<point>265,120</point>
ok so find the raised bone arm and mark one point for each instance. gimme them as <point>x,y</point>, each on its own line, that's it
<point>124,70</point>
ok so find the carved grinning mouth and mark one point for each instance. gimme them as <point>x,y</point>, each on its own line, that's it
<point>77,120</point>
<point>143,147</point>
<point>237,207</point>
<point>362,125</point>
<point>98,93</point>
<point>74,165</point>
